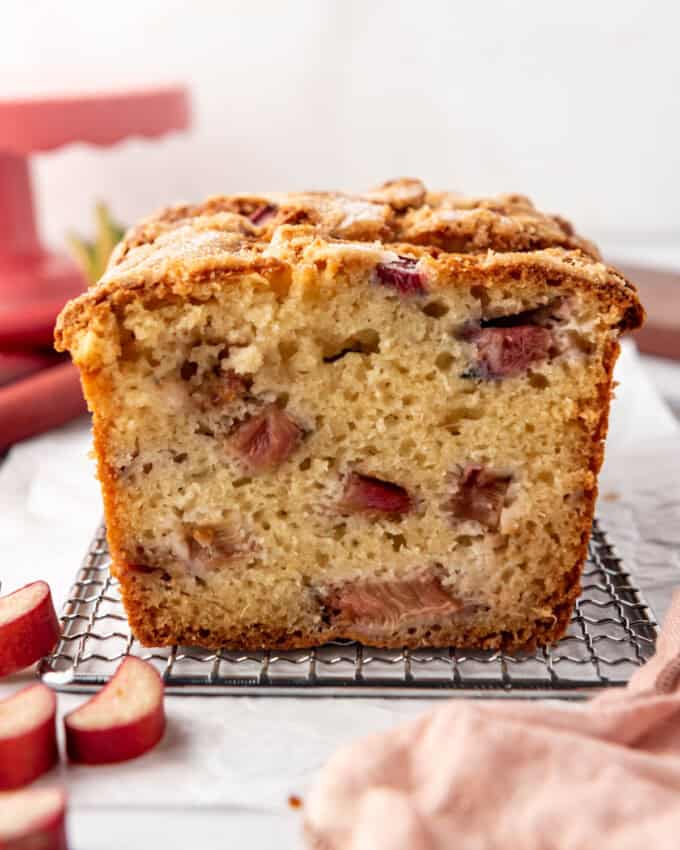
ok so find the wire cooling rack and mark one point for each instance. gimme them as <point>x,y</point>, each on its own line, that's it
<point>612,632</point>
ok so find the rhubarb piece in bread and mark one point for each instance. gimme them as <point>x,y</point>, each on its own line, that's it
<point>326,416</point>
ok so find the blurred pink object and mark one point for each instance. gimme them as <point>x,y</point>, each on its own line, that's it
<point>35,283</point>
<point>21,364</point>
<point>531,776</point>
<point>38,403</point>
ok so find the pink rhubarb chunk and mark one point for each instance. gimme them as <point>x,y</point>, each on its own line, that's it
<point>386,605</point>
<point>124,720</point>
<point>29,627</point>
<point>263,214</point>
<point>402,275</point>
<point>363,493</point>
<point>266,440</point>
<point>28,739</point>
<point>480,496</point>
<point>33,819</point>
<point>504,352</point>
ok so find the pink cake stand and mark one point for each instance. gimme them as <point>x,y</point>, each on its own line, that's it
<point>34,282</point>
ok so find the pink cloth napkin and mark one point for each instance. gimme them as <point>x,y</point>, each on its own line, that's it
<point>604,775</point>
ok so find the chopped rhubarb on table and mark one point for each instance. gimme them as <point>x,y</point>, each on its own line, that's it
<point>365,494</point>
<point>381,605</point>
<point>28,740</point>
<point>29,627</point>
<point>33,819</point>
<point>124,720</point>
<point>480,496</point>
<point>266,440</point>
<point>506,351</point>
<point>263,213</point>
<point>402,275</point>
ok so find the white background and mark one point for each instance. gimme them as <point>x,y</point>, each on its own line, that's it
<point>576,104</point>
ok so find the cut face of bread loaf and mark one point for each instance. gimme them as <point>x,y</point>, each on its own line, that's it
<point>377,417</point>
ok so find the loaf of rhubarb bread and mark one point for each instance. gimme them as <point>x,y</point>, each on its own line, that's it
<point>377,417</point>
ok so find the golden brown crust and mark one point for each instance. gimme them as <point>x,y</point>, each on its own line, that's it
<point>96,394</point>
<point>400,211</point>
<point>182,250</point>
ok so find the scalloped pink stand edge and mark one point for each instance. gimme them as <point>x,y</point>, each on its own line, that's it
<point>36,283</point>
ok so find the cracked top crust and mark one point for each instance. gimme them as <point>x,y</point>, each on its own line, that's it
<point>181,249</point>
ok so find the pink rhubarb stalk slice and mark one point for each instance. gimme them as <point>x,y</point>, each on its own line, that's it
<point>33,819</point>
<point>123,721</point>
<point>29,627</point>
<point>265,440</point>
<point>28,738</point>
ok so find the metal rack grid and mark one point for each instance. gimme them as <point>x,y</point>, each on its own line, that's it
<point>612,632</point>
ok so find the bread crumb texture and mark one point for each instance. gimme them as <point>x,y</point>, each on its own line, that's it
<point>324,416</point>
